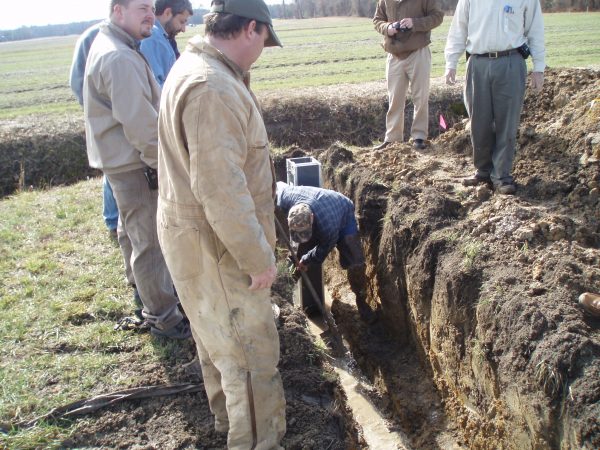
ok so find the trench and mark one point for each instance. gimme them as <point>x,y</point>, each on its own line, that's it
<point>482,356</point>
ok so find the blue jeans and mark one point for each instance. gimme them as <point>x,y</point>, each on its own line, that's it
<point>110,212</point>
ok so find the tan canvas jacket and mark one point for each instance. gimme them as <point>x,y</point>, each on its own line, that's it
<point>214,157</point>
<point>121,101</point>
<point>426,15</point>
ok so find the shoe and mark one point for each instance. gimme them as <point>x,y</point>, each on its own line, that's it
<point>475,180</point>
<point>382,145</point>
<point>506,189</point>
<point>590,303</point>
<point>112,234</point>
<point>419,144</point>
<point>366,314</point>
<point>180,331</point>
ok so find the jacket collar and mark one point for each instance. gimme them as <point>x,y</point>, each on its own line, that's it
<point>198,44</point>
<point>119,33</point>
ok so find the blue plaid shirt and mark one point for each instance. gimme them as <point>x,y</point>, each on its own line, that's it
<point>333,216</point>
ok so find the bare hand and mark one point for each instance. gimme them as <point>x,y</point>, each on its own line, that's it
<point>263,280</point>
<point>537,81</point>
<point>406,23</point>
<point>302,267</point>
<point>450,76</point>
<point>391,29</point>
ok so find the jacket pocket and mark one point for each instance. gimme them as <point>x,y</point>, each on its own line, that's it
<point>180,240</point>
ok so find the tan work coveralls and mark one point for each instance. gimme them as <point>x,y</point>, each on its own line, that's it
<point>216,227</point>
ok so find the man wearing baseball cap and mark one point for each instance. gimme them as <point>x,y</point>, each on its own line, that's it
<point>216,221</point>
<point>324,219</point>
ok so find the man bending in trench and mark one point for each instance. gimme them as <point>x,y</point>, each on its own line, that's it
<point>327,217</point>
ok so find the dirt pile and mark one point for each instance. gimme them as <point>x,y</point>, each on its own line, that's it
<point>484,287</point>
<point>317,416</point>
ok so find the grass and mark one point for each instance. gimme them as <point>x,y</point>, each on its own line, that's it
<point>62,290</point>
<point>34,74</point>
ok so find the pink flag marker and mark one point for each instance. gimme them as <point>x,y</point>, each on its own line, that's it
<point>443,125</point>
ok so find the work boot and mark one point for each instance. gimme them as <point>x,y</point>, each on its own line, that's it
<point>475,180</point>
<point>180,331</point>
<point>506,189</point>
<point>590,303</point>
<point>419,144</point>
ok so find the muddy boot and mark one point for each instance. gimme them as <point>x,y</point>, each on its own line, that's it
<point>358,283</point>
<point>366,313</point>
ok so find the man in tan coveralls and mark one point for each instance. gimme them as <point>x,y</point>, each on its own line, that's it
<point>216,219</point>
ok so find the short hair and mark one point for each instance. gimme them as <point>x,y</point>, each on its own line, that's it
<point>227,26</point>
<point>177,6</point>
<point>114,3</point>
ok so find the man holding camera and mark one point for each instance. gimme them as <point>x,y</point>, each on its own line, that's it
<point>120,100</point>
<point>498,37</point>
<point>406,26</point>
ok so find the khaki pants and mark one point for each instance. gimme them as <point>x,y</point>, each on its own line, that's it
<point>144,262</point>
<point>413,72</point>
<point>234,330</point>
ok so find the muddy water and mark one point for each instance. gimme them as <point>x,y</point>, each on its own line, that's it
<point>375,428</point>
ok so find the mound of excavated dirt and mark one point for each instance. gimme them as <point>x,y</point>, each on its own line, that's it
<point>484,287</point>
<point>317,416</point>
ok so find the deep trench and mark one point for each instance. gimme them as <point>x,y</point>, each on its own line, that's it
<point>433,378</point>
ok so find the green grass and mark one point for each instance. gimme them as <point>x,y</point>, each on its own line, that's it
<point>34,74</point>
<point>62,290</point>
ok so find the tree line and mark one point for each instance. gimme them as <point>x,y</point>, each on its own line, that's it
<point>289,9</point>
<point>302,9</point>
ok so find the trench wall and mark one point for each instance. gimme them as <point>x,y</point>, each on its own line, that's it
<point>430,301</point>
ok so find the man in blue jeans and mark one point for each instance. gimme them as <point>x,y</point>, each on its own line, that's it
<point>110,211</point>
<point>326,218</point>
<point>160,49</point>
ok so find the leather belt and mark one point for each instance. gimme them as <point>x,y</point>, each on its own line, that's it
<point>497,54</point>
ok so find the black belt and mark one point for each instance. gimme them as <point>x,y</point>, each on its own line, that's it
<point>497,54</point>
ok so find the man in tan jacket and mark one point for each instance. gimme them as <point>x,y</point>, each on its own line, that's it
<point>216,220</point>
<point>121,112</point>
<point>406,26</point>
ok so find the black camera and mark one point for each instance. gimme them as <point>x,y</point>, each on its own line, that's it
<point>400,28</point>
<point>152,178</point>
<point>524,51</point>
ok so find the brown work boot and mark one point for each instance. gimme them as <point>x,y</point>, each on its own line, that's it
<point>476,179</point>
<point>590,303</point>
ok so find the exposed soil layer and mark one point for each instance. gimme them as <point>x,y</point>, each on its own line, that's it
<point>317,415</point>
<point>481,289</point>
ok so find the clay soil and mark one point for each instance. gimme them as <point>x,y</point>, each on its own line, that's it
<point>479,326</point>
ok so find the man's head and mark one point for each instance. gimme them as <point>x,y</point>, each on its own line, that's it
<point>173,15</point>
<point>229,17</point>
<point>136,17</point>
<point>300,221</point>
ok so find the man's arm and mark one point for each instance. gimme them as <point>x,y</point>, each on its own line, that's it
<point>456,41</point>
<point>82,49</point>
<point>218,149</point>
<point>534,32</point>
<point>433,18</point>
<point>130,93</point>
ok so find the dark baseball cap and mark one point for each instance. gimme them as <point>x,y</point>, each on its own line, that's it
<point>250,9</point>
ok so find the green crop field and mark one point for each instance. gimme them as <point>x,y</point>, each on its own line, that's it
<point>34,74</point>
